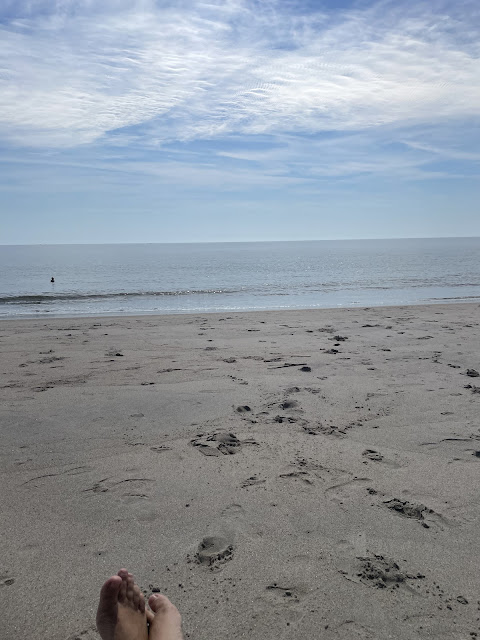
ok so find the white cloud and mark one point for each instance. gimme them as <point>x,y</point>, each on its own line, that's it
<point>205,70</point>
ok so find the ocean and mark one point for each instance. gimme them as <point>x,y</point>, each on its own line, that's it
<point>197,278</point>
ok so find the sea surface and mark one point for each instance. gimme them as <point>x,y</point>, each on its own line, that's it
<point>192,278</point>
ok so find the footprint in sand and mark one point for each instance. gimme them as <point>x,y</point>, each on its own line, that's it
<point>303,476</point>
<point>239,380</point>
<point>282,419</point>
<point>285,599</point>
<point>113,353</point>
<point>380,573</point>
<point>315,429</point>
<point>375,456</point>
<point>251,482</point>
<point>126,490</point>
<point>133,494</point>
<point>346,492</point>
<point>371,454</point>
<point>205,449</point>
<point>50,359</point>
<point>354,546</point>
<point>219,443</point>
<point>308,471</point>
<point>289,592</point>
<point>228,443</point>
<point>288,404</point>
<point>472,373</point>
<point>233,512</point>
<point>426,516</point>
<point>214,551</point>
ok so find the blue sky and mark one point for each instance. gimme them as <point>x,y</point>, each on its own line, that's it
<point>159,121</point>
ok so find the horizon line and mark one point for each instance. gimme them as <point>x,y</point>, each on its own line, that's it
<point>81,244</point>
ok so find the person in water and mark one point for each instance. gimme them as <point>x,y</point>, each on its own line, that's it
<point>122,614</point>
<point>52,279</point>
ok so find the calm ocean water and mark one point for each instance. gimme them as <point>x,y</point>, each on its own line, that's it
<point>189,278</point>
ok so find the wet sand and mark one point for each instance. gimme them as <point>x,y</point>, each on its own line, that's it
<point>297,474</point>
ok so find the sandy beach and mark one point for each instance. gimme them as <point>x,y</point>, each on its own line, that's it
<point>296,474</point>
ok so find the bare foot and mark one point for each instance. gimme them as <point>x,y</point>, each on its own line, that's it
<point>166,623</point>
<point>121,611</point>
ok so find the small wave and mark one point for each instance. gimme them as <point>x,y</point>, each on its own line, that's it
<point>458,298</point>
<point>59,297</point>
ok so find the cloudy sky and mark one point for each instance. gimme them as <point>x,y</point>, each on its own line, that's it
<point>159,121</point>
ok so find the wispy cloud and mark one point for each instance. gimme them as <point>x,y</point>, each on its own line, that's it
<point>72,73</point>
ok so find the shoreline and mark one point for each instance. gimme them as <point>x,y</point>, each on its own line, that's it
<point>114,315</point>
<point>334,455</point>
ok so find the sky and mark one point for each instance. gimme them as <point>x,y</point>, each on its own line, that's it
<point>238,120</point>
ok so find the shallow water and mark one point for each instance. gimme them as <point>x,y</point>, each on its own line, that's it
<point>192,278</point>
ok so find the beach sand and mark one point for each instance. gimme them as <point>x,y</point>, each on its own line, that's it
<point>280,474</point>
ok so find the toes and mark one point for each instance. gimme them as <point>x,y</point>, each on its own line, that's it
<point>166,613</point>
<point>108,604</point>
<point>109,592</point>
<point>129,592</point>
<point>150,616</point>
<point>122,594</point>
<point>137,595</point>
<point>159,603</point>
<point>130,588</point>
